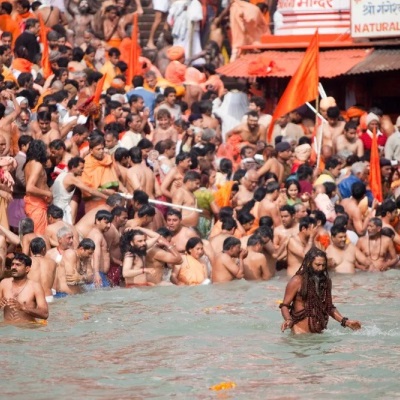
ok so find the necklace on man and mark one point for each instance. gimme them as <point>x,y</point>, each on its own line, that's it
<point>369,249</point>
<point>16,295</point>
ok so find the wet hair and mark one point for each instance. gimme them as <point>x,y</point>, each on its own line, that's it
<point>245,218</point>
<point>55,212</point>
<point>74,162</point>
<point>146,210</point>
<point>114,200</point>
<point>37,245</point>
<point>266,220</point>
<point>24,140</point>
<point>191,176</point>
<point>65,230</point>
<point>304,172</point>
<point>338,229</point>
<point>339,209</point>
<point>135,154</point>
<point>26,260</point>
<point>350,125</point>
<point>332,163</point>
<point>333,112</point>
<point>258,196</point>
<point>226,166</point>
<point>172,211</point>
<point>358,190</point>
<point>126,239</point>
<point>164,232</point>
<point>376,221</point>
<point>265,231</point>
<point>26,225</point>
<point>271,187</point>
<point>318,215</point>
<point>145,144</point>
<point>57,144</point>
<point>103,214</point>
<point>225,212</point>
<point>238,175</point>
<point>96,140</point>
<point>230,242</point>
<point>341,220</point>
<point>254,240</point>
<point>140,196</point>
<point>87,244</point>
<point>182,157</point>
<point>290,209</point>
<point>121,153</point>
<point>117,211</point>
<point>305,222</point>
<point>389,232</point>
<point>192,243</point>
<point>388,206</point>
<point>37,152</point>
<point>228,224</point>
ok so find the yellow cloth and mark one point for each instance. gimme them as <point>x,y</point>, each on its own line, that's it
<point>111,71</point>
<point>192,271</point>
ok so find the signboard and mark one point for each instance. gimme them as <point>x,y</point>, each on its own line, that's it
<point>312,5</point>
<point>375,18</point>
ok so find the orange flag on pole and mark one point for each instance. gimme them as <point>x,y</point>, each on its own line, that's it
<point>134,52</point>
<point>375,179</point>
<point>303,86</point>
<point>46,66</point>
<point>99,89</point>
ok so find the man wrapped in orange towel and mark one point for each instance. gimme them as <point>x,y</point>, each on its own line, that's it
<point>99,173</point>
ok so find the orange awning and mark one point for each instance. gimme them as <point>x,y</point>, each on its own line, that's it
<point>282,64</point>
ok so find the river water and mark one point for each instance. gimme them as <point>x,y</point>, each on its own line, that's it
<point>177,342</point>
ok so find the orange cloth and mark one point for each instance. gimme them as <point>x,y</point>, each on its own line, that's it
<point>7,24</point>
<point>192,271</point>
<point>175,72</point>
<point>114,42</point>
<point>21,18</point>
<point>134,51</point>
<point>231,149</point>
<point>222,196</point>
<point>36,208</point>
<point>109,119</point>
<point>100,174</point>
<point>354,112</point>
<point>375,179</point>
<point>22,65</point>
<point>88,63</point>
<point>99,89</point>
<point>302,87</point>
<point>174,53</point>
<point>324,240</point>
<point>247,23</point>
<point>46,65</point>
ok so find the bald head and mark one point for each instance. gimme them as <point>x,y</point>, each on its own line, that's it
<point>250,180</point>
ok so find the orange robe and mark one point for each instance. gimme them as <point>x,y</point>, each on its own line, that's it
<point>192,271</point>
<point>7,24</point>
<point>98,174</point>
<point>36,208</point>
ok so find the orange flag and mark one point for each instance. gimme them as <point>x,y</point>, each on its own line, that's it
<point>375,179</point>
<point>134,52</point>
<point>99,89</point>
<point>46,66</point>
<point>302,87</point>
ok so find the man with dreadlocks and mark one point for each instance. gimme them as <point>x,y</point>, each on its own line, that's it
<point>307,304</point>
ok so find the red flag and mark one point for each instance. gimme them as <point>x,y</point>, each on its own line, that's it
<point>302,87</point>
<point>375,179</point>
<point>99,89</point>
<point>46,66</point>
<point>134,53</point>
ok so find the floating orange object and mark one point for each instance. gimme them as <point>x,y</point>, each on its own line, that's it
<point>223,386</point>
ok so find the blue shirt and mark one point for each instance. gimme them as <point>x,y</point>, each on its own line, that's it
<point>345,188</point>
<point>148,97</point>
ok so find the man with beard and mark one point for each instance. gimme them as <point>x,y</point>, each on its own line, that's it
<point>307,304</point>
<point>65,239</point>
<point>278,164</point>
<point>45,132</point>
<point>22,299</point>
<point>248,184</point>
<point>23,123</point>
<point>250,131</point>
<point>379,251</point>
<point>133,249</point>
<point>101,256</point>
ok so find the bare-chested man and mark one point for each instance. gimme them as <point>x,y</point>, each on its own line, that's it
<point>184,196</point>
<point>45,133</point>
<point>358,218</point>
<point>174,178</point>
<point>227,230</point>
<point>143,218</point>
<point>229,265</point>
<point>55,223</point>
<point>26,231</point>
<point>101,256</point>
<point>140,176</point>
<point>250,131</point>
<point>113,236</point>
<point>267,206</point>
<point>22,299</point>
<point>378,250</point>
<point>75,269</point>
<point>133,248</point>
<point>65,239</point>
<point>248,185</point>
<point>341,255</point>
<point>5,121</point>
<point>180,234</point>
<point>333,128</point>
<point>38,194</point>
<point>349,140</point>
<point>43,269</point>
<point>255,266</point>
<point>389,214</point>
<point>300,244</point>
<point>278,165</point>
<point>85,224</point>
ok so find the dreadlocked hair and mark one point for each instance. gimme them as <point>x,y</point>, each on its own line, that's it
<point>316,294</point>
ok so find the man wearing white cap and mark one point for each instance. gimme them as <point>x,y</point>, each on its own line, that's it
<point>373,123</point>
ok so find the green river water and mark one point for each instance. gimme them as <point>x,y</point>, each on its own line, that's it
<point>176,342</point>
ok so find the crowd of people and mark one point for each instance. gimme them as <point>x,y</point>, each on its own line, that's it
<point>170,178</point>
